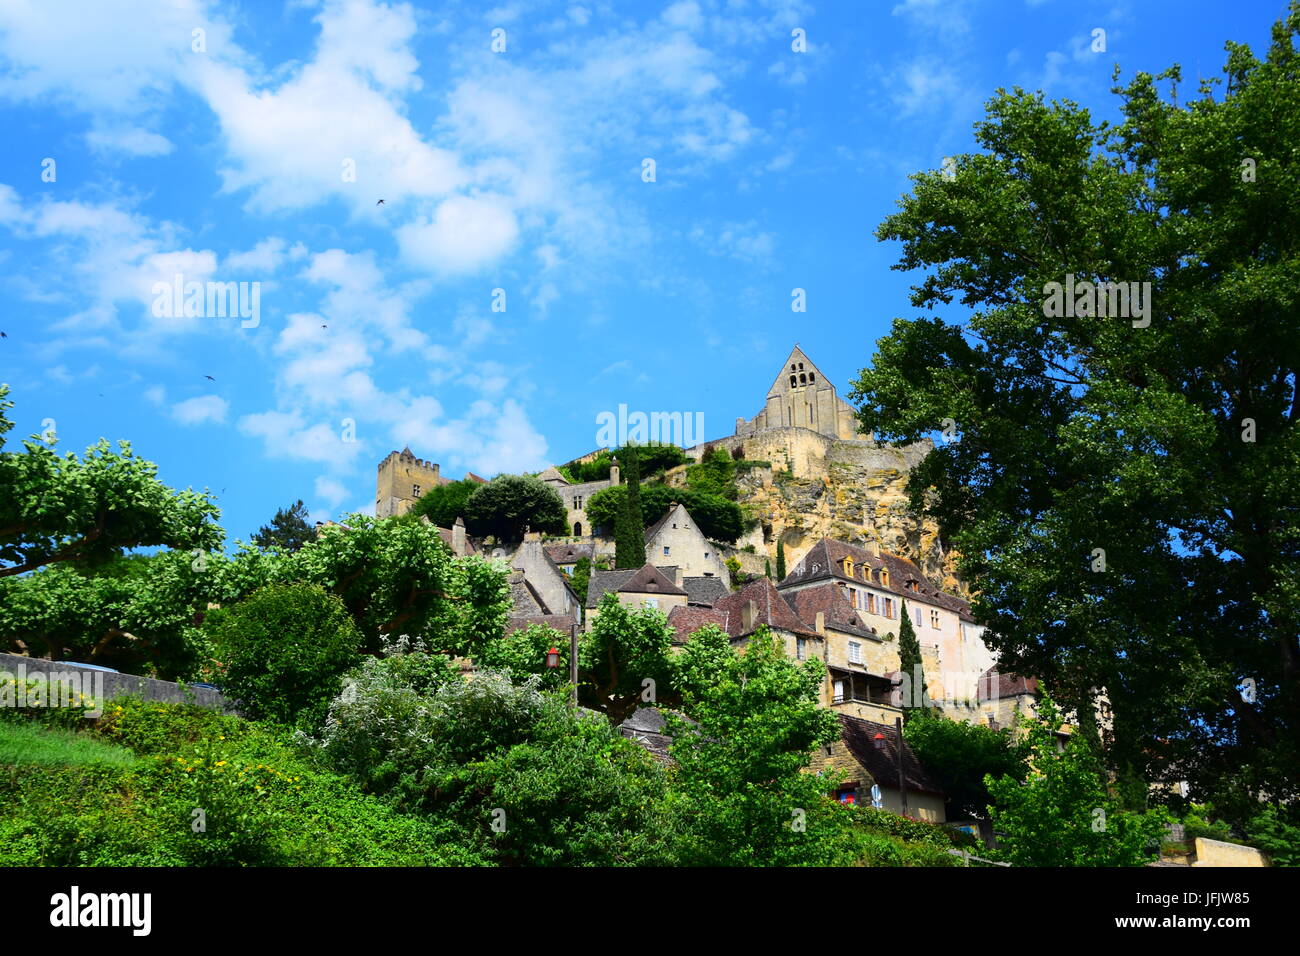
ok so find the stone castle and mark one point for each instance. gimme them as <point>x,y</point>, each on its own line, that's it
<point>824,478</point>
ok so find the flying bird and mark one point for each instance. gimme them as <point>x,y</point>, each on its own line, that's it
<point>209,378</point>
<point>380,203</point>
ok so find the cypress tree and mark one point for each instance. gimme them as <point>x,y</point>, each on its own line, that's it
<point>780,560</point>
<point>767,568</point>
<point>629,536</point>
<point>909,661</point>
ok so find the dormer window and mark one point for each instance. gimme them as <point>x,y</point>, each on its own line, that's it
<point>884,577</point>
<point>848,566</point>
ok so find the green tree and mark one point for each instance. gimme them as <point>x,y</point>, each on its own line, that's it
<point>629,531</point>
<point>581,578</point>
<point>1063,815</point>
<point>508,504</point>
<point>525,778</point>
<point>767,568</point>
<point>90,509</point>
<point>1123,496</point>
<point>960,755</point>
<point>397,577</point>
<point>717,518</point>
<point>443,504</point>
<point>284,650</point>
<point>780,559</point>
<point>909,662</point>
<point>754,721</point>
<point>625,649</point>
<point>715,474</point>
<point>288,530</point>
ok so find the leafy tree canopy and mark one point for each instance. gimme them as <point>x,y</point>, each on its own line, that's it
<point>1125,489</point>
<point>960,755</point>
<point>90,509</point>
<point>654,458</point>
<point>716,517</point>
<point>508,504</point>
<point>443,504</point>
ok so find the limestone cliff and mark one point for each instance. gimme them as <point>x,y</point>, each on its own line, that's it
<point>853,491</point>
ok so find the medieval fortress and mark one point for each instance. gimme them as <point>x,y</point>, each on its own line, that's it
<point>806,433</point>
<point>859,566</point>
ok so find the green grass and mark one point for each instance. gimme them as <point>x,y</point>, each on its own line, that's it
<point>27,743</point>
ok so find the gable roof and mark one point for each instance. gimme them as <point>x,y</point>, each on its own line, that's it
<point>771,608</point>
<point>552,474</point>
<point>796,356</point>
<point>650,580</point>
<point>569,553</point>
<point>602,582</point>
<point>673,508</point>
<point>686,619</point>
<point>707,589</point>
<point>524,597</point>
<point>859,737</point>
<point>831,601</point>
<point>825,561</point>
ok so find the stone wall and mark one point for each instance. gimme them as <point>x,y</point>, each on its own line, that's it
<point>117,685</point>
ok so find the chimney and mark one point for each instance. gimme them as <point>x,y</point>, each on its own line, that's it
<point>458,538</point>
<point>820,625</point>
<point>748,617</point>
<point>677,576</point>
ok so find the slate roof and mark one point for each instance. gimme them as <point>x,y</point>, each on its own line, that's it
<point>1009,685</point>
<point>834,603</point>
<point>470,476</point>
<point>524,597</point>
<point>569,553</point>
<point>706,590</point>
<point>685,620</point>
<point>859,737</point>
<point>551,474</point>
<point>560,622</point>
<point>650,580</point>
<point>602,582</point>
<point>771,606</point>
<point>825,561</point>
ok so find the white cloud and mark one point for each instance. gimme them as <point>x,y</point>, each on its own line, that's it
<point>204,408</point>
<point>463,235</point>
<point>331,489</point>
<point>132,140</point>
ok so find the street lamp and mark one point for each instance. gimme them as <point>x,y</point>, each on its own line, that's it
<point>553,657</point>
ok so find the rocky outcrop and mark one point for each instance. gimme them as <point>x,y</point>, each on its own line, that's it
<point>852,491</point>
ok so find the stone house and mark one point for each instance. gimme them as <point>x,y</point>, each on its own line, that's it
<point>540,592</point>
<point>646,586</point>
<point>676,540</point>
<point>867,754</point>
<point>576,496</point>
<point>877,585</point>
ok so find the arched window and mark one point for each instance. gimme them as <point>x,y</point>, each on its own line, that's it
<point>792,381</point>
<point>577,529</point>
<point>803,379</point>
<point>801,366</point>
<point>792,366</point>
<point>812,377</point>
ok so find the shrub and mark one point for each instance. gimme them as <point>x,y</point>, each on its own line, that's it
<point>284,650</point>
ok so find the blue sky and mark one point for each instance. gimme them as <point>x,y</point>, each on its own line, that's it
<point>261,158</point>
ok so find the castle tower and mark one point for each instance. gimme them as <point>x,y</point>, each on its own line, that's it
<point>402,479</point>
